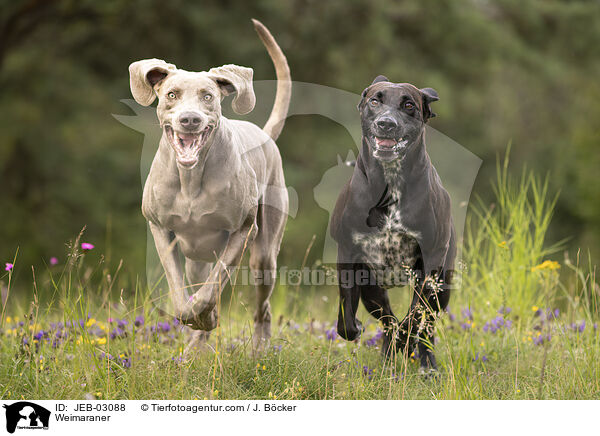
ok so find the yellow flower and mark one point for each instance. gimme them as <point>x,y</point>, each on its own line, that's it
<point>90,322</point>
<point>549,265</point>
<point>535,308</point>
<point>8,319</point>
<point>502,244</point>
<point>264,367</point>
<point>101,341</point>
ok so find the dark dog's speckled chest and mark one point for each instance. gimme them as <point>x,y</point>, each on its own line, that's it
<point>393,250</point>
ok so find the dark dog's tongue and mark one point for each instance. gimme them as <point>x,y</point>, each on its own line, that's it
<point>385,142</point>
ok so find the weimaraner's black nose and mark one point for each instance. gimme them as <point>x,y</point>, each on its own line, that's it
<point>190,120</point>
<point>386,123</point>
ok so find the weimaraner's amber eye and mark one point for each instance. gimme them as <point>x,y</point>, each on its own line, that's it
<point>208,97</point>
<point>374,102</point>
<point>171,95</point>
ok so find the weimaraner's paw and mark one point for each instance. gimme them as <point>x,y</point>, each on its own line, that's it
<point>261,337</point>
<point>196,343</point>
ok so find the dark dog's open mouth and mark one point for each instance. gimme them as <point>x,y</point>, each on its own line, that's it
<point>388,148</point>
<point>187,146</point>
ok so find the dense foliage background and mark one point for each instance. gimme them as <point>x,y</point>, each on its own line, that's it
<point>520,71</point>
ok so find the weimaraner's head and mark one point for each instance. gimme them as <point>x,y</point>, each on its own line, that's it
<point>189,103</point>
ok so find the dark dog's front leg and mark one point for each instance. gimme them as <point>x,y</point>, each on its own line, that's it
<point>348,327</point>
<point>418,326</point>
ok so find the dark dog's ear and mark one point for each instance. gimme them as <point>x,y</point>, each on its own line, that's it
<point>377,79</point>
<point>380,78</point>
<point>429,95</point>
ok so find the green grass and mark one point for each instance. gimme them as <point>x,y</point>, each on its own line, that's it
<point>503,246</point>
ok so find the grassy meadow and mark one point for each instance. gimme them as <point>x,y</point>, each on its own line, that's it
<point>521,326</point>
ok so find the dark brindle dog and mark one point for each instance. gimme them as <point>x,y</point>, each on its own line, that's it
<point>392,222</point>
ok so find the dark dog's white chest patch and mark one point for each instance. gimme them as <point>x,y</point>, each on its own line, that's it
<point>393,250</point>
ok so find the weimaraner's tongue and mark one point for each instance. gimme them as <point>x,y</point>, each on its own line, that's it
<point>187,139</point>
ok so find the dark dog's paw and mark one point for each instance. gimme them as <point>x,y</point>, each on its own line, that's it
<point>350,331</point>
<point>429,373</point>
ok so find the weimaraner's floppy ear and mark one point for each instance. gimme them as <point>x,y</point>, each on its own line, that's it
<point>233,79</point>
<point>143,75</point>
<point>429,96</point>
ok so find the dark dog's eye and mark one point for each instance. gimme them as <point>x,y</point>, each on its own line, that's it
<point>171,95</point>
<point>409,105</point>
<point>374,102</point>
<point>208,97</point>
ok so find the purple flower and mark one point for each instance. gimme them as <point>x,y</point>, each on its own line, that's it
<point>86,246</point>
<point>581,327</point>
<point>121,323</point>
<point>9,267</point>
<point>277,348</point>
<point>541,339</point>
<point>39,335</point>
<point>465,326</point>
<point>164,326</point>
<point>139,320</point>
<point>117,333</point>
<point>331,334</point>
<point>367,371</point>
<point>467,314</point>
<point>483,358</point>
<point>126,362</point>
<point>371,342</point>
<point>505,310</point>
<point>53,261</point>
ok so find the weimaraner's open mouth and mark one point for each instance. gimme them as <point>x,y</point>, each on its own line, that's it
<point>187,146</point>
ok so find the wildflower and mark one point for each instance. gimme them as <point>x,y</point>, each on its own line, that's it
<point>139,320</point>
<point>502,244</point>
<point>549,265</point>
<point>86,246</point>
<point>9,267</point>
<point>579,328</point>
<point>504,310</point>
<point>373,340</point>
<point>53,261</point>
<point>101,341</point>
<point>331,334</point>
<point>118,333</point>
<point>540,339</point>
<point>90,322</point>
<point>121,323</point>
<point>467,314</point>
<point>483,358</point>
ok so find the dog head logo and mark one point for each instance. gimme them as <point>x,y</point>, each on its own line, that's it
<point>26,415</point>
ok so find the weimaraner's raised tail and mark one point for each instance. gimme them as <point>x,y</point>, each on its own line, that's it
<point>276,120</point>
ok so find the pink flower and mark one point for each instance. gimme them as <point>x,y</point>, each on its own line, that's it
<point>53,261</point>
<point>86,246</point>
<point>9,266</point>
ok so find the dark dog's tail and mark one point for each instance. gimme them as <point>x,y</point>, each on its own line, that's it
<point>276,120</point>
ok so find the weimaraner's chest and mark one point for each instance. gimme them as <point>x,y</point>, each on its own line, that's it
<point>201,224</point>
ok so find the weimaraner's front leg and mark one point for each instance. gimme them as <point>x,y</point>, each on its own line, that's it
<point>202,306</point>
<point>169,258</point>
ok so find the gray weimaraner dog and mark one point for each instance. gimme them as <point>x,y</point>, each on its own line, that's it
<point>393,222</point>
<point>216,186</point>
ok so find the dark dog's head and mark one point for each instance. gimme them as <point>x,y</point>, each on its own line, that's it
<point>189,103</point>
<point>393,116</point>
